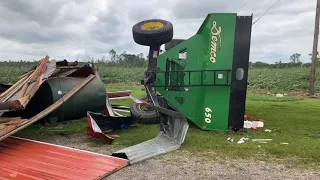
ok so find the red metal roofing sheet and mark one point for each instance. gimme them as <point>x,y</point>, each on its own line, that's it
<point>27,159</point>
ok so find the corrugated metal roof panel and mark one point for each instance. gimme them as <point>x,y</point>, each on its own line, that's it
<point>168,139</point>
<point>28,159</point>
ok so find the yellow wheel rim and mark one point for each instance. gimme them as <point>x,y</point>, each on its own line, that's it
<point>152,25</point>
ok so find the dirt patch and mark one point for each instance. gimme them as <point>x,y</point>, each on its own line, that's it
<point>79,141</point>
<point>195,169</point>
<point>184,165</point>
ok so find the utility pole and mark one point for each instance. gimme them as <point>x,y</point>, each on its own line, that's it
<point>314,52</point>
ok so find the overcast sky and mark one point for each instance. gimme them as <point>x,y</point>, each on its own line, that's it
<point>71,29</point>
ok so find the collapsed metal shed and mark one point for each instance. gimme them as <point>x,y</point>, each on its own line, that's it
<point>51,92</point>
<point>92,97</point>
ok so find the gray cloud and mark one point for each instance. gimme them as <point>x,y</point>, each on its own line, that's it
<point>76,28</point>
<point>42,12</point>
<point>197,9</point>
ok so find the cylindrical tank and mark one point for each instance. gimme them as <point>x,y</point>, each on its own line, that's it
<point>92,97</point>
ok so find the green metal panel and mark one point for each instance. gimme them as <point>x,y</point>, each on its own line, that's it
<point>211,48</point>
<point>92,97</point>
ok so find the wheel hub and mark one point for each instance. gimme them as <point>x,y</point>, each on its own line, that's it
<point>152,25</point>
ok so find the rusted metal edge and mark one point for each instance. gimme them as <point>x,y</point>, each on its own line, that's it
<point>50,108</point>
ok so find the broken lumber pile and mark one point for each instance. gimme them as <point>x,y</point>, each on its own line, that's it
<point>19,95</point>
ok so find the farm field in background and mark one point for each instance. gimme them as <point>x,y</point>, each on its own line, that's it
<point>274,80</point>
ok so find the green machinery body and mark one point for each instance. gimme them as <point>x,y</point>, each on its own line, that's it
<point>205,76</point>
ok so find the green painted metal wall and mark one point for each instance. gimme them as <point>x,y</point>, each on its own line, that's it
<point>211,48</point>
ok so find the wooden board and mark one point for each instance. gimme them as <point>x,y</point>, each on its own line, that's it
<point>11,129</point>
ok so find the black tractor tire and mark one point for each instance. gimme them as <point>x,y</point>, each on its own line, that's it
<point>152,32</point>
<point>146,117</point>
<point>172,43</point>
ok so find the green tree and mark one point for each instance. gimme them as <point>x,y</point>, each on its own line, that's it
<point>295,58</point>
<point>113,54</point>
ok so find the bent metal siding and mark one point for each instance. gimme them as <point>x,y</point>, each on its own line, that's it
<point>28,159</point>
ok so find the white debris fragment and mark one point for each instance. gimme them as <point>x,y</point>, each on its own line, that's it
<point>261,139</point>
<point>230,139</point>
<point>268,130</point>
<point>242,140</point>
<point>279,95</point>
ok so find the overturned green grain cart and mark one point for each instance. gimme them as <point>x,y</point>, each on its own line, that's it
<point>205,76</point>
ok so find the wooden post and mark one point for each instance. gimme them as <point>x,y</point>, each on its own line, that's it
<point>314,52</point>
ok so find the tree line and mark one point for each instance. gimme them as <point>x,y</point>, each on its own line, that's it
<point>125,59</point>
<point>294,61</point>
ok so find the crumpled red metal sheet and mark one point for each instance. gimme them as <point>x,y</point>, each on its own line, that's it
<point>28,159</point>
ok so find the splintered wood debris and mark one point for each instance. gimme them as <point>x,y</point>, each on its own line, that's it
<point>20,93</point>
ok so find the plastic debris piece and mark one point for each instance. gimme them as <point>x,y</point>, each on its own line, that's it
<point>247,124</point>
<point>279,95</point>
<point>124,126</point>
<point>257,124</point>
<point>242,140</point>
<point>268,130</point>
<point>230,139</point>
<point>284,143</point>
<point>261,139</point>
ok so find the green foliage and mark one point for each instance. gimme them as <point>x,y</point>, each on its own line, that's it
<point>280,80</point>
<point>120,75</point>
<point>295,58</point>
<point>128,69</point>
<point>259,97</point>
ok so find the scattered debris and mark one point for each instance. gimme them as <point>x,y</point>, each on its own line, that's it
<point>268,130</point>
<point>279,95</point>
<point>253,124</point>
<point>242,140</point>
<point>230,139</point>
<point>284,143</point>
<point>261,140</point>
<point>247,117</point>
<point>247,124</point>
<point>168,139</point>
<point>99,123</point>
<point>40,93</point>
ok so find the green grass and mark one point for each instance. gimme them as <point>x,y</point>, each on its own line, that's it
<point>292,120</point>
